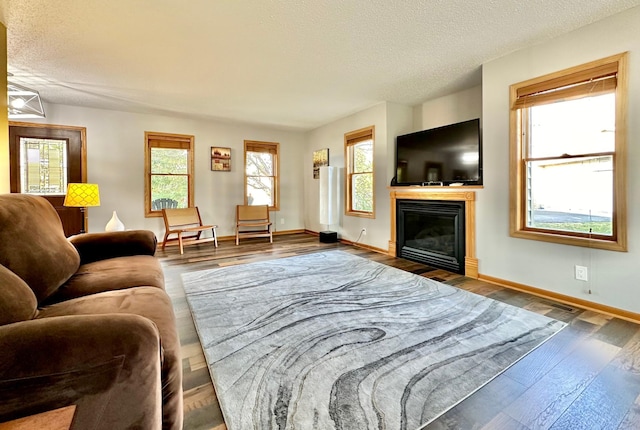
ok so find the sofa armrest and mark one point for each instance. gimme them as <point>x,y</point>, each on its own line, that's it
<point>109,366</point>
<point>100,246</point>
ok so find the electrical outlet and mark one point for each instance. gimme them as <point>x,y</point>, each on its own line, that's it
<point>282,221</point>
<point>364,231</point>
<point>582,274</point>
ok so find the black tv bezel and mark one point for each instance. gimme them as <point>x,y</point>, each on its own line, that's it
<point>448,182</point>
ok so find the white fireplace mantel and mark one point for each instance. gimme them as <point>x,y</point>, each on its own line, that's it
<point>421,193</point>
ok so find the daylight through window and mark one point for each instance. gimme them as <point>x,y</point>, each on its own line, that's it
<point>568,156</point>
<point>43,166</point>
<point>261,173</point>
<point>169,172</point>
<point>359,178</point>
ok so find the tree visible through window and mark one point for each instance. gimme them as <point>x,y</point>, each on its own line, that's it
<point>360,180</point>
<point>169,172</point>
<point>569,151</point>
<point>261,173</point>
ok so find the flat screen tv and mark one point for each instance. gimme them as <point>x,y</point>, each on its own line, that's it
<point>446,155</point>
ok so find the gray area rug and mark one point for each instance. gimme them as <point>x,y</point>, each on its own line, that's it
<point>335,341</point>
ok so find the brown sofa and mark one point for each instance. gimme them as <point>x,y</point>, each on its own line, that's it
<point>84,321</point>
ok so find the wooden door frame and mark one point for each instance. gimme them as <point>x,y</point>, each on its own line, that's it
<point>83,150</point>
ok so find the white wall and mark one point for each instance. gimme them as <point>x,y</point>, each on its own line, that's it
<point>450,109</point>
<point>389,119</point>
<point>399,122</point>
<point>613,278</point>
<point>115,161</point>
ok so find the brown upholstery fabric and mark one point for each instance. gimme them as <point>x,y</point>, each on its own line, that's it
<point>100,246</point>
<point>112,274</point>
<point>155,305</point>
<point>32,243</point>
<point>17,301</point>
<point>107,342</point>
<point>86,360</point>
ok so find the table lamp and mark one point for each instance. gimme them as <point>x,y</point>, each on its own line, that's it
<point>82,196</point>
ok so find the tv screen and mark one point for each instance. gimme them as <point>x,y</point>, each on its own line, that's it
<point>448,154</point>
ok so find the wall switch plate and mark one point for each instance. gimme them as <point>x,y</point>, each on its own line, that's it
<point>582,273</point>
<point>282,221</point>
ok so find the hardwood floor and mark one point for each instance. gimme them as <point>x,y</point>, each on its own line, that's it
<point>585,377</point>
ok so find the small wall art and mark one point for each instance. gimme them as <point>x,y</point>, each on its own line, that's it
<point>320,158</point>
<point>220,159</point>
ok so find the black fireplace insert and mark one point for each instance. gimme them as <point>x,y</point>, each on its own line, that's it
<point>432,232</point>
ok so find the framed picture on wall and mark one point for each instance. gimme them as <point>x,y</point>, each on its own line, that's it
<point>220,159</point>
<point>320,158</point>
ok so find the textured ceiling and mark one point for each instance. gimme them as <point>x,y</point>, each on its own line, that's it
<point>286,63</point>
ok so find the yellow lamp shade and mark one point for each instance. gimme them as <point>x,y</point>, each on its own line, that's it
<point>82,195</point>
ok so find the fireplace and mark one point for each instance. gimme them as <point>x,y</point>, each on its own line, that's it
<point>447,194</point>
<point>432,232</point>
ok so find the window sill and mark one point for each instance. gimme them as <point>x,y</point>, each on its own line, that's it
<point>609,245</point>
<point>370,215</point>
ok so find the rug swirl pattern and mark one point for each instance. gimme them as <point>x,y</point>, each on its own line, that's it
<point>334,341</point>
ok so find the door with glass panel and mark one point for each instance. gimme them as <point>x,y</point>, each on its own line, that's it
<point>44,159</point>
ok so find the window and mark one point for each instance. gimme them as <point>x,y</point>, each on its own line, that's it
<point>43,166</point>
<point>168,172</point>
<point>358,146</point>
<point>568,156</point>
<point>261,184</point>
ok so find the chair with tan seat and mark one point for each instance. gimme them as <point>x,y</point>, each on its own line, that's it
<point>256,219</point>
<point>186,220</point>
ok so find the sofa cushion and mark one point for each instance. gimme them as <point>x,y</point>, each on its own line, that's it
<point>149,302</point>
<point>17,301</point>
<point>33,245</point>
<point>108,366</point>
<point>111,274</point>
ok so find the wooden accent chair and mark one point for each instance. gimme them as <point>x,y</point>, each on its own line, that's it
<point>254,217</point>
<point>186,220</point>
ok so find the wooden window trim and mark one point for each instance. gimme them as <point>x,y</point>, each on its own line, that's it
<point>593,80</point>
<point>350,139</point>
<point>166,140</point>
<point>517,202</point>
<point>266,147</point>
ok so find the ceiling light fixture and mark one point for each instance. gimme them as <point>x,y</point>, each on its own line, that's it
<point>23,102</point>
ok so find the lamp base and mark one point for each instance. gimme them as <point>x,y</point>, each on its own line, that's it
<point>328,237</point>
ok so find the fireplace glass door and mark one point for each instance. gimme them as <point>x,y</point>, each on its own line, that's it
<point>432,232</point>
